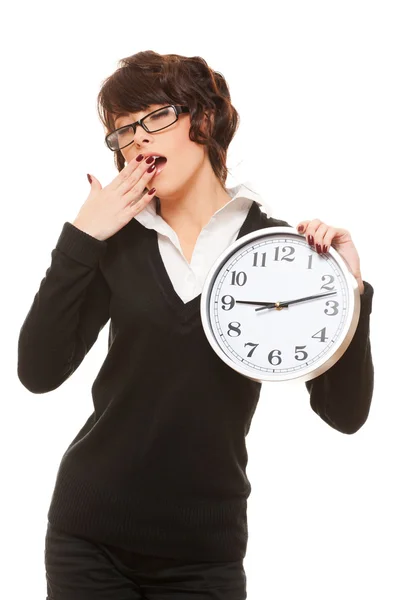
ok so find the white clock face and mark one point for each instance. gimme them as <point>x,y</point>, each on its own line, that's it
<point>286,342</point>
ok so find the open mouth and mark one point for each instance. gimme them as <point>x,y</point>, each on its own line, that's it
<point>160,164</point>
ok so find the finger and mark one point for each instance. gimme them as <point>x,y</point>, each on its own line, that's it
<point>329,238</point>
<point>311,231</point>
<point>131,167</point>
<point>326,243</point>
<point>142,203</point>
<point>138,182</point>
<point>302,226</point>
<point>319,235</point>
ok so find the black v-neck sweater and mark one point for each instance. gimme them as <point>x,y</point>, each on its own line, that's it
<point>159,467</point>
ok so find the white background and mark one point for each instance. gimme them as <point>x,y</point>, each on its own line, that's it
<point>316,87</point>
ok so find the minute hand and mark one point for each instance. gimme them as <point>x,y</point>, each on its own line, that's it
<point>286,303</point>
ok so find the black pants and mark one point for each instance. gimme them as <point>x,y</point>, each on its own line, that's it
<point>78,569</point>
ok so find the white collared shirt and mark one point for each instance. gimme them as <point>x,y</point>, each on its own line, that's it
<point>221,231</point>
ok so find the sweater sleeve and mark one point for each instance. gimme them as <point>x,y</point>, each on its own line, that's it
<point>342,395</point>
<point>67,314</point>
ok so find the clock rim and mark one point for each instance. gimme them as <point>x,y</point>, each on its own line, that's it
<point>312,372</point>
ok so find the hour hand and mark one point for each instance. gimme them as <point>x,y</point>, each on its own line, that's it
<point>262,304</point>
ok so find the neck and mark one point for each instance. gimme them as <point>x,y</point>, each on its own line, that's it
<point>188,210</point>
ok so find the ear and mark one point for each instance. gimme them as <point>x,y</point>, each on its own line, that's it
<point>208,121</point>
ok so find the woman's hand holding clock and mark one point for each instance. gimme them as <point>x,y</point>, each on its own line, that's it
<point>322,236</point>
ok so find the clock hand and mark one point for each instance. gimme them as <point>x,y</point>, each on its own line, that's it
<point>281,304</point>
<point>286,303</point>
<point>265,304</point>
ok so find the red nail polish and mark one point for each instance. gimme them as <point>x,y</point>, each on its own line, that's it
<point>311,240</point>
<point>318,248</point>
<point>324,248</point>
<point>139,157</point>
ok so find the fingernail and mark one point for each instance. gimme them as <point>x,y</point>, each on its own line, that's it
<point>311,240</point>
<point>149,159</point>
<point>318,248</point>
<point>152,191</point>
<point>300,228</point>
<point>139,157</point>
<point>150,169</point>
<point>89,178</point>
<point>324,248</point>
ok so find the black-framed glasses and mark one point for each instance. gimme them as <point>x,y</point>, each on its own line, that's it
<point>154,121</point>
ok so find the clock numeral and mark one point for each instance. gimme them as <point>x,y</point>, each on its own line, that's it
<point>310,261</point>
<point>253,349</point>
<point>256,259</point>
<point>229,303</point>
<point>335,310</point>
<point>321,337</point>
<point>271,357</point>
<point>240,279</point>
<point>298,349</point>
<point>277,250</point>
<point>234,326</point>
<point>325,286</point>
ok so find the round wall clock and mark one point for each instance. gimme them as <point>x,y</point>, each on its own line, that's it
<point>274,309</point>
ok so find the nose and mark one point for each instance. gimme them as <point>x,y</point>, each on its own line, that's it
<point>141,134</point>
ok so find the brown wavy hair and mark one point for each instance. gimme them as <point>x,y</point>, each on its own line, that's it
<point>149,78</point>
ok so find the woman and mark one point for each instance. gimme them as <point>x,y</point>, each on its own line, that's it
<point>151,495</point>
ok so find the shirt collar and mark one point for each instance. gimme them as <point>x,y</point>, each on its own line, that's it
<point>149,218</point>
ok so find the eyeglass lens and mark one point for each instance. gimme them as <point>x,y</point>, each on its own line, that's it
<point>158,120</point>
